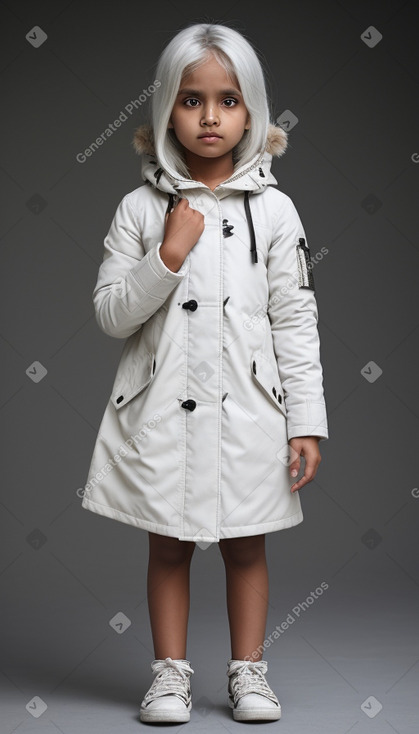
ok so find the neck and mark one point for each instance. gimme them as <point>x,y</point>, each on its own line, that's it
<point>210,171</point>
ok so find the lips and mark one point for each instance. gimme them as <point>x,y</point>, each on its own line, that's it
<point>209,135</point>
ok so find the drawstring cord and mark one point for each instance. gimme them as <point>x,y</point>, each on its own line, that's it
<point>170,204</point>
<point>248,217</point>
<point>251,228</point>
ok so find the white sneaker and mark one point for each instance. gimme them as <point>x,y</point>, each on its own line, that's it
<point>169,696</point>
<point>250,697</point>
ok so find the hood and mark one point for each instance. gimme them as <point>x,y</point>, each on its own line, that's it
<point>253,176</point>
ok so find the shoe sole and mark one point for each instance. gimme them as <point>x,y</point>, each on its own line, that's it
<point>165,716</point>
<point>255,714</point>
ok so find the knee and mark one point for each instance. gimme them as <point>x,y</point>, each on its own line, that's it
<point>170,551</point>
<point>243,551</point>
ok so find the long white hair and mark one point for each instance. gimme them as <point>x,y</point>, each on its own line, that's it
<point>185,53</point>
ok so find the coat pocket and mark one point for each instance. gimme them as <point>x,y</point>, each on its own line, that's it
<point>267,379</point>
<point>136,377</point>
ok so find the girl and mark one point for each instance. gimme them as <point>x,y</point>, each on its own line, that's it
<point>219,390</point>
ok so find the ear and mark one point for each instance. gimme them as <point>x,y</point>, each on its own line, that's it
<point>247,125</point>
<point>170,124</point>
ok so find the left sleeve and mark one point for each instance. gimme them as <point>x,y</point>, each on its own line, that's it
<point>293,315</point>
<point>132,283</point>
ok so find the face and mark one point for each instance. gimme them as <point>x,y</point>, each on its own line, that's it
<point>209,101</point>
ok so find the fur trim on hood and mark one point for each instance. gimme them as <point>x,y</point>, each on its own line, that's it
<point>276,143</point>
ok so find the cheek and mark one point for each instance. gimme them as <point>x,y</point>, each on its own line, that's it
<point>180,122</point>
<point>182,132</point>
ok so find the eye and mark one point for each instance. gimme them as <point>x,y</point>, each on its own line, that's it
<point>193,99</point>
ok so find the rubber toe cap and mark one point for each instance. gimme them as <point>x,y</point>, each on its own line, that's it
<point>169,703</point>
<point>255,701</point>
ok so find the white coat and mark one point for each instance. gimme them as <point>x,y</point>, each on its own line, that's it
<point>221,364</point>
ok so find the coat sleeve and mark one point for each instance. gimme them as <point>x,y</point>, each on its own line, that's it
<point>293,314</point>
<point>132,284</point>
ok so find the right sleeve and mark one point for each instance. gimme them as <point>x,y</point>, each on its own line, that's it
<point>293,315</point>
<point>132,284</point>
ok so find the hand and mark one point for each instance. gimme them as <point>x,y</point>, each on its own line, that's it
<point>183,228</point>
<point>308,446</point>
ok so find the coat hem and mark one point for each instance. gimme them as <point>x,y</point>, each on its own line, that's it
<point>173,532</point>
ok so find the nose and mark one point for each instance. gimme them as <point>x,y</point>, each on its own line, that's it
<point>209,115</point>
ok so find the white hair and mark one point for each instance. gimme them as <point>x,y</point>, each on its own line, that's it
<point>186,52</point>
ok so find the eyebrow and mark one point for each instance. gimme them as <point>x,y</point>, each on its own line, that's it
<point>198,92</point>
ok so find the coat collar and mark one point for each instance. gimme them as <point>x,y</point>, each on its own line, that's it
<point>255,175</point>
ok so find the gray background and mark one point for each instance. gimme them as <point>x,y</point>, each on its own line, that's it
<point>352,170</point>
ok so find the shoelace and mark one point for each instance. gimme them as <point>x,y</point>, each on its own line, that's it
<point>171,679</point>
<point>248,677</point>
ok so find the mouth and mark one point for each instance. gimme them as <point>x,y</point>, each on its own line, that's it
<point>209,135</point>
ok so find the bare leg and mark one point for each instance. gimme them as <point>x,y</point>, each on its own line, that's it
<point>247,594</point>
<point>168,594</point>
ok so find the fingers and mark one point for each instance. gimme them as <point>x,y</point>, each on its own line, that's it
<point>310,470</point>
<point>176,201</point>
<point>312,458</point>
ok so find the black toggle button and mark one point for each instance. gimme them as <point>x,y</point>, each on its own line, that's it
<point>121,397</point>
<point>274,391</point>
<point>192,305</point>
<point>279,398</point>
<point>189,404</point>
<point>254,366</point>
